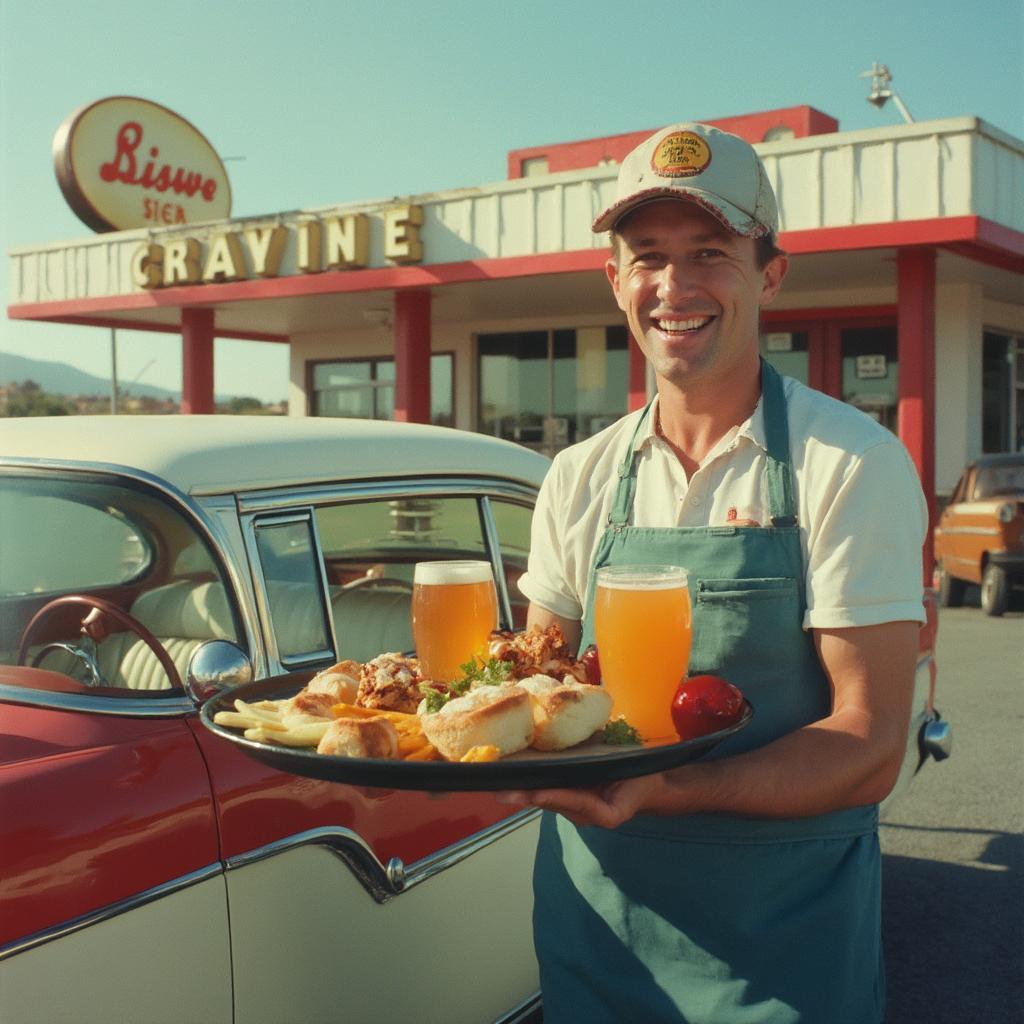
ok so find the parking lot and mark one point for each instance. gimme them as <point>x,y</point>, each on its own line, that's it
<point>954,846</point>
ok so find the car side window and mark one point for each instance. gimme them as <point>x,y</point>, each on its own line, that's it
<point>958,491</point>
<point>293,589</point>
<point>969,477</point>
<point>371,548</point>
<point>512,522</point>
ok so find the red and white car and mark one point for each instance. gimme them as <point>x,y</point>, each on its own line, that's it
<point>150,870</point>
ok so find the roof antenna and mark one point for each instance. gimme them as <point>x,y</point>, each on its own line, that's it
<point>881,90</point>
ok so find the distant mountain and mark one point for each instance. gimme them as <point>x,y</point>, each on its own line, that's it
<point>61,379</point>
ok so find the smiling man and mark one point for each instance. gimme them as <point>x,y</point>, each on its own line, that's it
<point>742,889</point>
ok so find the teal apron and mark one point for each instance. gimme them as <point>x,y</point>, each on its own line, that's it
<point>712,919</point>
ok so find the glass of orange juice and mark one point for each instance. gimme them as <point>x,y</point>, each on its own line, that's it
<point>454,609</point>
<point>643,633</point>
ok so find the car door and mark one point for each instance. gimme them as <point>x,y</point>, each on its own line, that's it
<point>960,548</point>
<point>363,903</point>
<point>111,883</point>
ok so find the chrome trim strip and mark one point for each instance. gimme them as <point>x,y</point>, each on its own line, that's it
<point>494,549</point>
<point>382,881</point>
<point>270,501</point>
<point>983,531</point>
<point>113,910</point>
<point>96,704</point>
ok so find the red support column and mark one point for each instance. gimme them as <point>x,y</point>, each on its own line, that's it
<point>197,360</point>
<point>637,393</point>
<point>832,369</point>
<point>915,269</point>
<point>412,357</point>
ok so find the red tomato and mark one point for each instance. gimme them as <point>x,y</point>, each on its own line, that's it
<point>705,704</point>
<point>589,661</point>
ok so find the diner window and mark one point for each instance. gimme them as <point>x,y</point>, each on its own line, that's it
<point>871,372</point>
<point>365,389</point>
<point>787,352</point>
<point>1002,385</point>
<point>549,389</point>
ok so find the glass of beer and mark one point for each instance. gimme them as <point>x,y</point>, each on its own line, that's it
<point>643,633</point>
<point>454,609</point>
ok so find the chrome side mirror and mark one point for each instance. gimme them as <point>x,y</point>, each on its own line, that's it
<point>216,665</point>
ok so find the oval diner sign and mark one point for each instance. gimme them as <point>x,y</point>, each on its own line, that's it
<point>124,162</point>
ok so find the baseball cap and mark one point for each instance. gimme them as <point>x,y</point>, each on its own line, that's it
<point>715,169</point>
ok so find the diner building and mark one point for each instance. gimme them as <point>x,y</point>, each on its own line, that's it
<point>486,306</point>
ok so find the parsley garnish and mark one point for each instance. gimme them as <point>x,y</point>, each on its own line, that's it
<point>619,731</point>
<point>475,672</point>
<point>492,672</point>
<point>435,698</point>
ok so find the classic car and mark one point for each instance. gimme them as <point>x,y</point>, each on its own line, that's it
<point>980,535</point>
<point>149,869</point>
<point>151,872</point>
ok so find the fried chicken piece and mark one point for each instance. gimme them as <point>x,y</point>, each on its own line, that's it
<point>360,737</point>
<point>341,681</point>
<point>308,707</point>
<point>390,682</point>
<point>537,652</point>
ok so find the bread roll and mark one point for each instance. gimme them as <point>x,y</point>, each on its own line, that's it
<point>360,737</point>
<point>565,713</point>
<point>498,716</point>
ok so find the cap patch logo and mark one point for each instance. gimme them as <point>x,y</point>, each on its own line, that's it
<point>681,155</point>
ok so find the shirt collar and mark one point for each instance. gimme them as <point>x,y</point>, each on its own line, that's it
<point>752,428</point>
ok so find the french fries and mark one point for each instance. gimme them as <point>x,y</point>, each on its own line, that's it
<point>479,754</point>
<point>261,721</point>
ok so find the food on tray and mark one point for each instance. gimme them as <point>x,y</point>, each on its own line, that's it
<point>530,692</point>
<point>264,722</point>
<point>341,681</point>
<point>499,716</point>
<point>591,664</point>
<point>565,713</point>
<point>360,737</point>
<point>478,754</point>
<point>390,682</point>
<point>307,706</point>
<point>705,704</point>
<point>537,652</point>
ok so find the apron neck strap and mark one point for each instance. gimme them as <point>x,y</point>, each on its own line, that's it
<point>625,491</point>
<point>781,503</point>
<point>778,469</point>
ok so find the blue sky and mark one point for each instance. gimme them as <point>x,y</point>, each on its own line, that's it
<point>337,100</point>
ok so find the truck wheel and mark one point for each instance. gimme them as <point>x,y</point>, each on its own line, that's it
<point>995,590</point>
<point>951,590</point>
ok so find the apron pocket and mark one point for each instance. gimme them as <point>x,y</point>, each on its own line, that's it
<point>746,621</point>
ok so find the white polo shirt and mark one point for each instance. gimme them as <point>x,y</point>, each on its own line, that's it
<point>860,510</point>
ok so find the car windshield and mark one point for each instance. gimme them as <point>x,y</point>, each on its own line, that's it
<point>999,480</point>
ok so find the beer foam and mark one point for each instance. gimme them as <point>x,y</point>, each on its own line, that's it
<point>640,578</point>
<point>435,573</point>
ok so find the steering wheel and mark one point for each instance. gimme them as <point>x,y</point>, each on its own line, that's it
<point>95,627</point>
<point>390,582</point>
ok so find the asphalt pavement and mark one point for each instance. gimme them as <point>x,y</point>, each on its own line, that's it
<point>953,847</point>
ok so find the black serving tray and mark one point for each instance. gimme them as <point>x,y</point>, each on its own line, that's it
<point>592,763</point>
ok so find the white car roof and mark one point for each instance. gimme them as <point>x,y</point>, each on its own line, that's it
<point>220,454</point>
